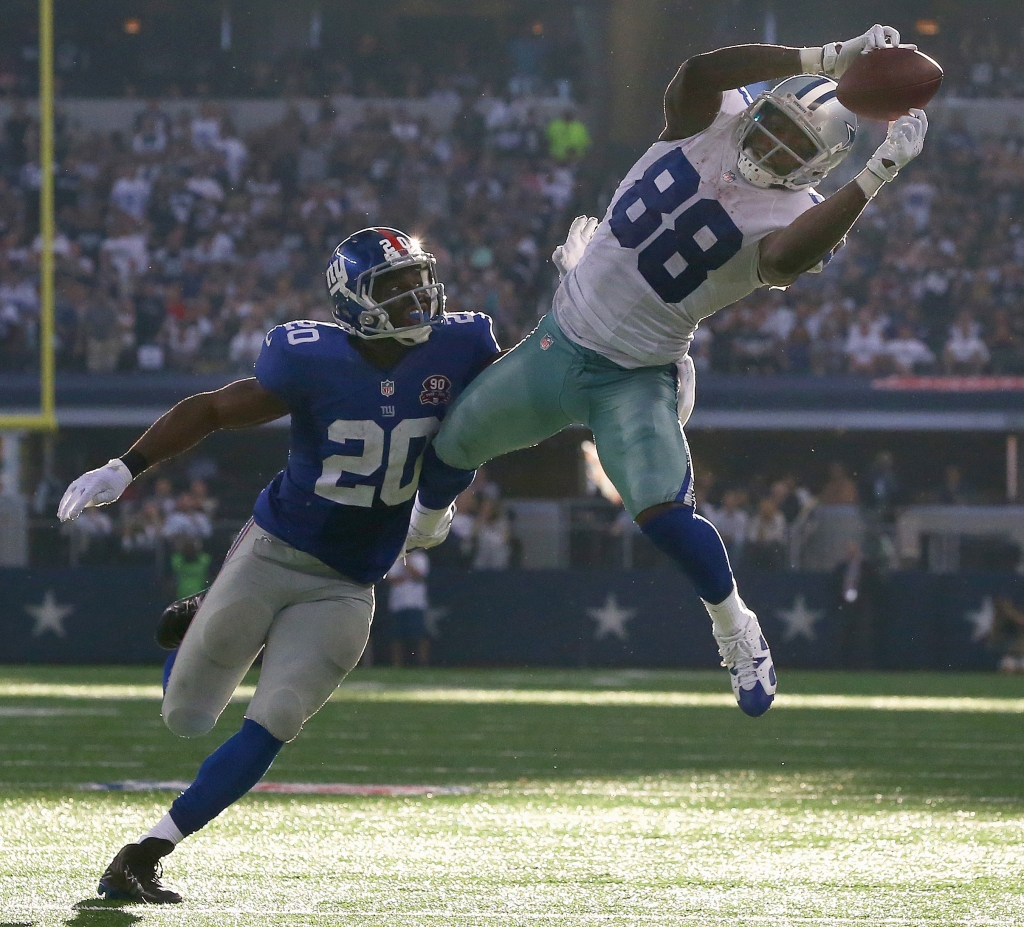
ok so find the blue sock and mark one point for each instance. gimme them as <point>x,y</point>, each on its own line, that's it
<point>225,776</point>
<point>440,484</point>
<point>168,666</point>
<point>693,543</point>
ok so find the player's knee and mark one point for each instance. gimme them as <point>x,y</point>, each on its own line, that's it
<point>281,712</point>
<point>186,721</point>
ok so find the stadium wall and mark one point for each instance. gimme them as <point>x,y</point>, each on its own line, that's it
<point>973,116</point>
<point>643,618</point>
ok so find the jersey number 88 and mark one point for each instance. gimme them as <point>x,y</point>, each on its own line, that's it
<point>702,238</point>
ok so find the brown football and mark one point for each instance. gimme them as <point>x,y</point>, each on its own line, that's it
<point>888,82</point>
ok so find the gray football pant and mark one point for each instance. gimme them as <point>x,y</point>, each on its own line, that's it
<point>312,622</point>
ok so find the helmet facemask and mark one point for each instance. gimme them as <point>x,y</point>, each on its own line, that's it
<point>375,319</point>
<point>794,135</point>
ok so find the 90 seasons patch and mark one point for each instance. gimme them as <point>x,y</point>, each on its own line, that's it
<point>436,390</point>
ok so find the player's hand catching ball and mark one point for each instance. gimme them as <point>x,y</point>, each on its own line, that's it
<point>836,57</point>
<point>566,257</point>
<point>97,487</point>
<point>902,144</point>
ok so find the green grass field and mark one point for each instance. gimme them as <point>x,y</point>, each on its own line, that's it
<point>596,797</point>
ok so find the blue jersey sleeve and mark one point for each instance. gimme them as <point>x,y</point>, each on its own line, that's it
<point>276,367</point>
<point>484,346</point>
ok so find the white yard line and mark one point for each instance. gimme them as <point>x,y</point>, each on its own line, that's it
<point>597,698</point>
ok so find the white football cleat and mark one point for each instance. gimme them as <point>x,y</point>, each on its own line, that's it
<point>749,661</point>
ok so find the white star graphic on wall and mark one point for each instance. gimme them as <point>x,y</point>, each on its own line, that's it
<point>49,616</point>
<point>983,619</point>
<point>611,619</point>
<point>799,620</point>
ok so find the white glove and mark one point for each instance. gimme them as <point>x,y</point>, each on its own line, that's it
<point>567,256</point>
<point>836,57</point>
<point>902,144</point>
<point>97,487</point>
<point>686,388</point>
<point>427,527</point>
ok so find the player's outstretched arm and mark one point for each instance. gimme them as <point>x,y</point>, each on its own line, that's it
<point>241,404</point>
<point>812,236</point>
<point>694,96</point>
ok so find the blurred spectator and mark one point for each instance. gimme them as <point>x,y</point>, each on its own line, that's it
<point>142,531</point>
<point>568,138</point>
<point>880,490</point>
<point>840,488</point>
<point>908,353</point>
<point>187,520</point>
<point>731,520</point>
<point>1007,635</point>
<point>163,495</point>
<point>190,566</point>
<point>766,537</point>
<point>864,344</point>
<point>854,583</point>
<point>965,352</point>
<point>954,490</point>
<point>90,534</point>
<point>491,537</point>
<point>205,503</point>
<point>407,608</point>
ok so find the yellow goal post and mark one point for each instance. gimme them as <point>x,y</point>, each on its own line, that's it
<point>46,418</point>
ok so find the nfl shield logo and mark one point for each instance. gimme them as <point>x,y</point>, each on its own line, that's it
<point>546,342</point>
<point>387,387</point>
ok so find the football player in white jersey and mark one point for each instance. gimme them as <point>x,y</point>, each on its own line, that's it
<point>723,203</point>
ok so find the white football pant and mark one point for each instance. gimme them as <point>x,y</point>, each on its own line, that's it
<point>312,622</point>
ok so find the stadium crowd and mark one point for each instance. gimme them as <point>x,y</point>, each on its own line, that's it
<point>180,246</point>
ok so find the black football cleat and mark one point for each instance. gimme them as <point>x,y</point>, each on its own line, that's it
<point>135,874</point>
<point>176,618</point>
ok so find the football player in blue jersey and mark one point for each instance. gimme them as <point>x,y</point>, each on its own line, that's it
<point>366,397</point>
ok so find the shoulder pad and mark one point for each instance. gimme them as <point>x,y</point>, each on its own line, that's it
<point>462,318</point>
<point>299,332</point>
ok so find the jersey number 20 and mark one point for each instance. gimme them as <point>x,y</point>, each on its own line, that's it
<point>402,474</point>
<point>702,239</point>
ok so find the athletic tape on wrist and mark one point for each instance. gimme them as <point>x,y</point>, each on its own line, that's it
<point>869,182</point>
<point>811,60</point>
<point>135,462</point>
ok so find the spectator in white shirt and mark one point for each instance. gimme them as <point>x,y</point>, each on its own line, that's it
<point>909,354</point>
<point>492,537</point>
<point>864,343</point>
<point>965,352</point>
<point>731,521</point>
<point>407,608</point>
<point>130,193</point>
<point>187,519</point>
<point>766,537</point>
<point>247,343</point>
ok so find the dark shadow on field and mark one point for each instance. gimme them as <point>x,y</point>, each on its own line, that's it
<point>96,912</point>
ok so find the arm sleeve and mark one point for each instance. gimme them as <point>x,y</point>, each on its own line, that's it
<point>275,367</point>
<point>488,343</point>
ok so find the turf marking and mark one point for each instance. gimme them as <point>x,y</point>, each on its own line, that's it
<point>284,788</point>
<point>20,711</point>
<point>447,916</point>
<point>597,698</point>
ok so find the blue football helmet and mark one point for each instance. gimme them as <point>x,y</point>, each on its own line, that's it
<point>357,263</point>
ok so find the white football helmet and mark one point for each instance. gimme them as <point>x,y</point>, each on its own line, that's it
<point>793,135</point>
